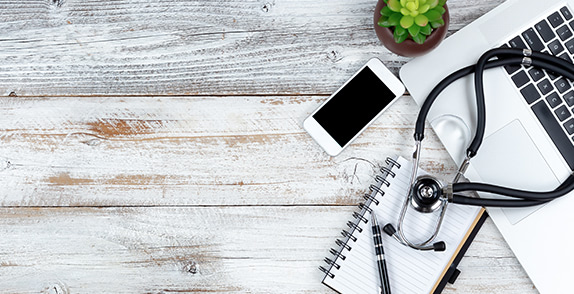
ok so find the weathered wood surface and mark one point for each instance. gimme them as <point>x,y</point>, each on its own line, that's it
<point>187,151</point>
<point>157,147</point>
<point>200,249</point>
<point>140,47</point>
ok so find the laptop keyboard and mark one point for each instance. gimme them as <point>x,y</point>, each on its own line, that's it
<point>550,97</point>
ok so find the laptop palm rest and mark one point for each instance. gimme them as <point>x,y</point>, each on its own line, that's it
<point>511,151</point>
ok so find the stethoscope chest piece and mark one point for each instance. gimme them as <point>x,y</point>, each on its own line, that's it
<point>426,194</point>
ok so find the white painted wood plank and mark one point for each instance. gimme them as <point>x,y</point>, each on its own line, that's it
<point>138,47</point>
<point>188,151</point>
<point>210,249</point>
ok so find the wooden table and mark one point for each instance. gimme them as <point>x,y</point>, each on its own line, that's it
<point>156,146</point>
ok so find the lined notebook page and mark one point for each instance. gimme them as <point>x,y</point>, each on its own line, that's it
<point>410,271</point>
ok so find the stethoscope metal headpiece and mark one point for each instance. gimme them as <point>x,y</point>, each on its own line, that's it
<point>426,194</point>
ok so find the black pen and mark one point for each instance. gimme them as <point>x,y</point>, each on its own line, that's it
<point>380,253</point>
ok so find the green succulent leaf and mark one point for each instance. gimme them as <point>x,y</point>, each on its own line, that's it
<point>419,38</point>
<point>414,30</point>
<point>437,24</point>
<point>386,11</point>
<point>441,2</point>
<point>433,15</point>
<point>421,20</point>
<point>391,21</point>
<point>407,21</point>
<point>440,9</point>
<point>395,5</point>
<point>412,6</point>
<point>382,21</point>
<point>424,8</point>
<point>399,31</point>
<point>395,19</point>
<point>434,3</point>
<point>386,1</point>
<point>426,30</point>
<point>400,38</point>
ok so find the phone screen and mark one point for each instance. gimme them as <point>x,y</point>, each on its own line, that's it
<point>354,106</point>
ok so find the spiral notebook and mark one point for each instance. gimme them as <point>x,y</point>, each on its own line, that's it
<point>352,266</point>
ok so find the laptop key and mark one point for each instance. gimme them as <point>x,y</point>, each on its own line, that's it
<point>570,46</point>
<point>545,31</point>
<point>530,94</point>
<point>564,32</point>
<point>555,131</point>
<point>551,75</point>
<point>520,79</point>
<point>532,40</point>
<point>566,13</point>
<point>555,47</point>
<point>569,98</point>
<point>562,113</point>
<point>565,57</point>
<point>569,126</point>
<point>562,85</point>
<point>553,100</point>
<point>516,42</point>
<point>536,74</point>
<point>555,19</point>
<point>545,86</point>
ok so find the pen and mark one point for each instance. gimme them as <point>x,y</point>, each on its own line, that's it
<point>380,253</point>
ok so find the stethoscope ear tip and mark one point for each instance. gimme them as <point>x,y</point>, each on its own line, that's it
<point>389,229</point>
<point>439,246</point>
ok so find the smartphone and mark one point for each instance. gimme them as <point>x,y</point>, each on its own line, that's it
<point>353,107</point>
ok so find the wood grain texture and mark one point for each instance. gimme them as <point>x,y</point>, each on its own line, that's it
<point>210,249</point>
<point>140,47</point>
<point>118,151</point>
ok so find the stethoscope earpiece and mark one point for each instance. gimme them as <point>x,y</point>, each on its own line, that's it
<point>389,229</point>
<point>439,246</point>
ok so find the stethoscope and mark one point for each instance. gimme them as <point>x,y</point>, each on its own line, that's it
<point>427,194</point>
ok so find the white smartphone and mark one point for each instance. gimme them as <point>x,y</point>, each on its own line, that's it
<point>353,107</point>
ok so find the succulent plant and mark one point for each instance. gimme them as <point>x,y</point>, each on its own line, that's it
<point>412,18</point>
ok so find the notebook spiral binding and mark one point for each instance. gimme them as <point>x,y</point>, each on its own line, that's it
<point>343,244</point>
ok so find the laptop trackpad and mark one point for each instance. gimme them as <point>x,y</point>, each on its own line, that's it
<point>509,158</point>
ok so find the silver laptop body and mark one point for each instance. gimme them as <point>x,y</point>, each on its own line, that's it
<point>517,150</point>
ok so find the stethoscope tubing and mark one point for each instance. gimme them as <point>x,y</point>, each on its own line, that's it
<point>506,56</point>
<point>530,198</point>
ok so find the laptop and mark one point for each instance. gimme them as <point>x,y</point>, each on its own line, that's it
<point>529,139</point>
